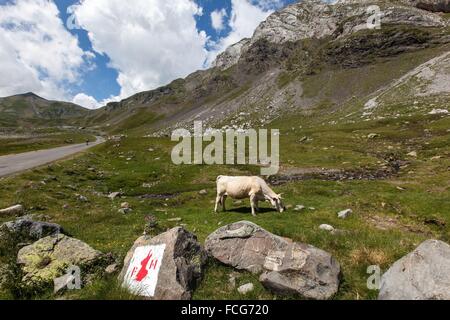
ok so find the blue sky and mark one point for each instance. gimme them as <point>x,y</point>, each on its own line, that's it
<point>117,48</point>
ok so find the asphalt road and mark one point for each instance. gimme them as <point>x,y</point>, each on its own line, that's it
<point>15,163</point>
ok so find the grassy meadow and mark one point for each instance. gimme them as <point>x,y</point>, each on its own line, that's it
<point>391,216</point>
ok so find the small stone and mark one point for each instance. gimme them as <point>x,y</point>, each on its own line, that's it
<point>14,210</point>
<point>203,192</point>
<point>246,288</point>
<point>125,210</point>
<point>232,279</point>
<point>81,198</point>
<point>326,227</point>
<point>412,154</point>
<point>299,207</point>
<point>125,205</point>
<point>112,268</point>
<point>373,135</point>
<point>175,220</point>
<point>345,213</point>
<point>114,195</point>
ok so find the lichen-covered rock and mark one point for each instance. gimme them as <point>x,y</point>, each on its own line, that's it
<point>166,267</point>
<point>48,258</point>
<point>287,267</point>
<point>424,274</point>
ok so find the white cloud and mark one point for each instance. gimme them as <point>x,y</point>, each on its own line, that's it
<point>246,15</point>
<point>86,101</point>
<point>217,19</point>
<point>37,53</point>
<point>149,42</point>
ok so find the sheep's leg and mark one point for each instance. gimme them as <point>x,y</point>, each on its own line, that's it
<point>218,200</point>
<point>224,197</point>
<point>254,204</point>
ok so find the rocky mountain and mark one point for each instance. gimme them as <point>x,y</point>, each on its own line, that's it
<point>30,109</point>
<point>310,57</point>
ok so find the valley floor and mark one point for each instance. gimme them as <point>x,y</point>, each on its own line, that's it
<point>19,141</point>
<point>392,214</point>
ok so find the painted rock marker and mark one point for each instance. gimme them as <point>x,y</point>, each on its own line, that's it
<point>142,274</point>
<point>166,267</point>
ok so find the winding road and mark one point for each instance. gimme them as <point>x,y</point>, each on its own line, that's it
<point>15,163</point>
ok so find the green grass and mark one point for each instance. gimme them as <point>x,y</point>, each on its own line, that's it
<point>40,139</point>
<point>425,196</point>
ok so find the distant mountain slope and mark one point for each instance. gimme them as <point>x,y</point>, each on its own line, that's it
<point>29,109</point>
<point>308,57</point>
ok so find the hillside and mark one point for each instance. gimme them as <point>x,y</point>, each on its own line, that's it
<point>30,110</point>
<point>308,56</point>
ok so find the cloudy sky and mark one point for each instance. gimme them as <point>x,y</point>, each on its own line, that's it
<point>94,51</point>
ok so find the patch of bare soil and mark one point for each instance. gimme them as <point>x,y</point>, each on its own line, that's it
<point>389,170</point>
<point>393,223</point>
<point>159,196</point>
<point>332,175</point>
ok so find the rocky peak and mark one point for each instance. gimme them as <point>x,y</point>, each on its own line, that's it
<point>316,19</point>
<point>430,5</point>
<point>231,55</point>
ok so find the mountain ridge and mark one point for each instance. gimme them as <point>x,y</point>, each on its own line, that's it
<point>29,109</point>
<point>287,50</point>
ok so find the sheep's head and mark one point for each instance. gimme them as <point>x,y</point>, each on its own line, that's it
<point>277,202</point>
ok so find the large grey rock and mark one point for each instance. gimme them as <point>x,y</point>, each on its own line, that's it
<point>287,267</point>
<point>424,274</point>
<point>26,229</point>
<point>49,258</point>
<point>166,267</point>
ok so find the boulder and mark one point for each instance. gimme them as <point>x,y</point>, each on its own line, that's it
<point>424,274</point>
<point>25,229</point>
<point>11,211</point>
<point>287,267</point>
<point>49,258</point>
<point>166,267</point>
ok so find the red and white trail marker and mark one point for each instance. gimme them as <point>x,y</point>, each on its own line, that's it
<point>142,274</point>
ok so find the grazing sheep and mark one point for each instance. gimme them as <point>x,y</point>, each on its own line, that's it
<point>254,188</point>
